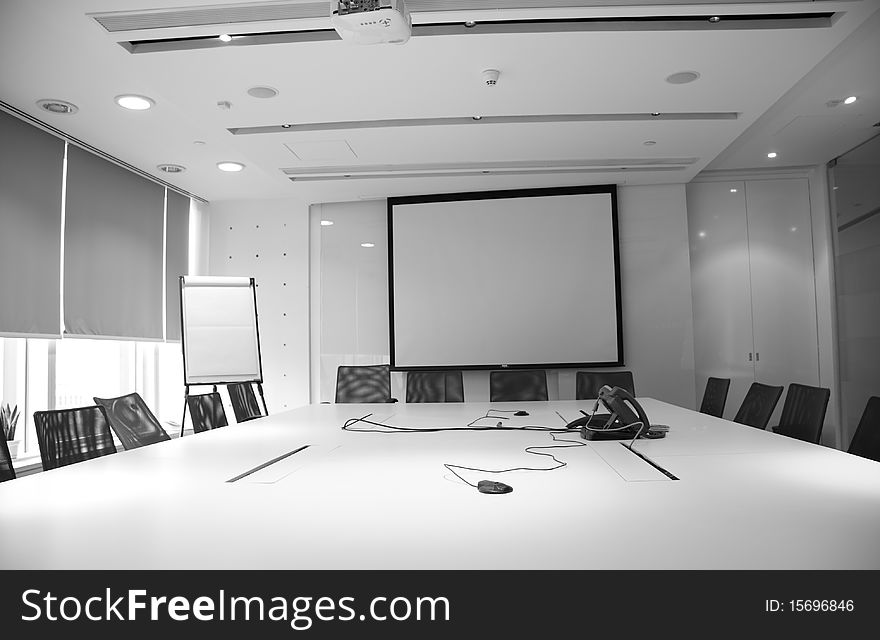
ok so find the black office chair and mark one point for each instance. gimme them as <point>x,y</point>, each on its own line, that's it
<point>132,421</point>
<point>515,385</point>
<point>758,405</point>
<point>434,386</point>
<point>68,436</point>
<point>588,383</point>
<point>370,383</point>
<point>206,411</point>
<point>866,440</point>
<point>7,471</point>
<point>244,401</point>
<point>803,412</point>
<point>715,396</point>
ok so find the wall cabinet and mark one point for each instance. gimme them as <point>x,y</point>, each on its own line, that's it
<point>753,284</point>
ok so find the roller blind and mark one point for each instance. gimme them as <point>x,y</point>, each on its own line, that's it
<point>113,238</point>
<point>31,169</point>
<point>176,259</point>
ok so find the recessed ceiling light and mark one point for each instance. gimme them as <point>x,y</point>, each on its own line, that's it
<point>682,77</point>
<point>655,113</point>
<point>477,117</point>
<point>850,100</point>
<point>225,37</point>
<point>134,102</point>
<point>367,244</point>
<point>470,24</point>
<point>262,92</point>
<point>230,166</point>
<point>714,18</point>
<point>57,106</point>
<point>733,191</point>
<point>649,143</point>
<point>326,223</point>
<point>171,168</point>
<point>286,126</point>
<point>702,234</point>
<point>199,143</point>
<point>772,154</point>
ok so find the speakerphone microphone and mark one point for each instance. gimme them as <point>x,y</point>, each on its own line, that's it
<point>490,486</point>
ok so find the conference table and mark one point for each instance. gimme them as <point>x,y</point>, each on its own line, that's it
<point>296,491</point>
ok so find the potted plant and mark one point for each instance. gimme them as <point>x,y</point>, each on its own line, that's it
<point>8,421</point>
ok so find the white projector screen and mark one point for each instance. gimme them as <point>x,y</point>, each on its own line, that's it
<point>221,341</point>
<point>505,278</point>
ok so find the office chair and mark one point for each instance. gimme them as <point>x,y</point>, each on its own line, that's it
<point>758,405</point>
<point>244,401</point>
<point>68,436</point>
<point>7,471</point>
<point>715,396</point>
<point>514,385</point>
<point>588,383</point>
<point>803,412</point>
<point>866,440</point>
<point>434,386</point>
<point>371,383</point>
<point>206,411</point>
<point>132,421</point>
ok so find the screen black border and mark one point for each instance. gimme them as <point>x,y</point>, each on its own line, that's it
<point>610,189</point>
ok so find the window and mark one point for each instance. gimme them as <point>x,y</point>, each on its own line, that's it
<point>39,374</point>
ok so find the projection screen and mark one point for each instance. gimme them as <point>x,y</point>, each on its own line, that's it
<point>522,278</point>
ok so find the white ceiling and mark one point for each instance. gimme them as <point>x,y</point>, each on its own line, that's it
<point>778,82</point>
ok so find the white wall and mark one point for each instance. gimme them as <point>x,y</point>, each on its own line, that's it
<point>656,282</point>
<point>269,241</point>
<point>350,303</point>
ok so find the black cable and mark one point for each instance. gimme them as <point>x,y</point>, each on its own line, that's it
<point>533,450</point>
<point>388,428</point>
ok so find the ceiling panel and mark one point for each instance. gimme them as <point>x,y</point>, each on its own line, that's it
<point>571,100</point>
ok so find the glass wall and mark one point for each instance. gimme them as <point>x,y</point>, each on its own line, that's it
<point>855,187</point>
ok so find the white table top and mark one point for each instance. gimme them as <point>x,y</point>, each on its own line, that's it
<point>745,499</point>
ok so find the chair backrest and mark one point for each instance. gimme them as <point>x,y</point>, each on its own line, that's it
<point>206,411</point>
<point>370,383</point>
<point>758,405</point>
<point>7,471</point>
<point>588,383</point>
<point>434,386</point>
<point>516,385</point>
<point>803,412</point>
<point>244,401</point>
<point>715,396</point>
<point>132,421</point>
<point>866,440</point>
<point>67,436</point>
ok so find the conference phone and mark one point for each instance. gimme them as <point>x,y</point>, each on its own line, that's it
<point>626,419</point>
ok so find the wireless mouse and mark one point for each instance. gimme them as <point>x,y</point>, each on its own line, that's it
<point>490,486</point>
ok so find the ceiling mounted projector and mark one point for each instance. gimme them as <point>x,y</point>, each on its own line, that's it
<point>371,21</point>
